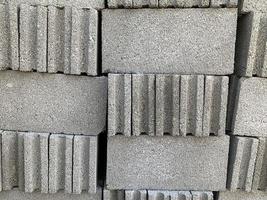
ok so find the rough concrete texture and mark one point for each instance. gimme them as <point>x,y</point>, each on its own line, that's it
<point>18,195</point>
<point>243,152</point>
<point>176,105</point>
<point>156,195</point>
<point>251,55</point>
<point>97,4</point>
<point>52,103</point>
<point>9,55</point>
<point>248,99</point>
<point>119,104</point>
<point>239,195</point>
<point>170,3</point>
<point>49,163</point>
<point>55,39</point>
<point>144,40</point>
<point>167,163</point>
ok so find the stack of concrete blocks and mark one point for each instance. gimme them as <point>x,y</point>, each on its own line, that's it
<point>50,122</point>
<point>168,75</point>
<point>247,119</point>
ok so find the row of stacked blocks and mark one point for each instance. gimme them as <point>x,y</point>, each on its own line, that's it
<point>133,100</point>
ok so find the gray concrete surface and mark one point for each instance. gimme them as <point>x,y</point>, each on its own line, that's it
<point>250,106</point>
<point>97,4</point>
<point>156,195</point>
<point>161,104</point>
<point>146,162</point>
<point>52,103</point>
<point>242,158</point>
<point>239,195</point>
<point>181,40</point>
<point>18,195</point>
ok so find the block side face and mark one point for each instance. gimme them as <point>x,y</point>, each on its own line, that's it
<point>250,117</point>
<point>127,36</point>
<point>162,162</point>
<point>53,103</point>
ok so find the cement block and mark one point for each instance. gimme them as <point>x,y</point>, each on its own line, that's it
<point>167,163</point>
<point>97,4</point>
<point>171,3</point>
<point>52,103</point>
<point>156,195</point>
<point>178,41</point>
<point>18,195</point>
<point>239,195</point>
<point>243,153</point>
<point>250,107</point>
<point>119,104</point>
<point>85,164</point>
<point>72,40</point>
<point>9,58</point>
<point>167,104</point>
<point>251,55</point>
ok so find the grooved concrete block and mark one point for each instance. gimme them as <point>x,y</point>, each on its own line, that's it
<point>9,43</point>
<point>52,103</point>
<point>167,163</point>
<point>239,195</point>
<point>72,40</point>
<point>10,159</point>
<point>97,4</point>
<point>183,3</point>
<point>250,107</point>
<point>251,54</point>
<point>156,195</point>
<point>191,41</point>
<point>18,195</point>
<point>242,163</point>
<point>119,104</point>
<point>85,164</point>
<point>167,104</point>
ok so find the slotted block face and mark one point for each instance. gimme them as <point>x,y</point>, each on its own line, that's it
<point>242,195</point>
<point>249,114</point>
<point>49,163</point>
<point>97,4</point>
<point>9,43</point>
<point>161,104</point>
<point>19,195</point>
<point>156,195</point>
<point>52,103</point>
<point>167,163</point>
<point>242,163</point>
<point>191,41</point>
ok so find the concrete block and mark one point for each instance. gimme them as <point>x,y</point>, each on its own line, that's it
<point>240,195</point>
<point>97,4</point>
<point>60,163</point>
<point>242,163</point>
<point>119,104</point>
<point>143,104</point>
<point>167,163</point>
<point>223,3</point>
<point>133,4</point>
<point>19,195</point>
<point>1,161</point>
<point>249,107</point>
<point>168,104</point>
<point>156,195</point>
<point>9,160</point>
<point>52,103</point>
<point>33,38</point>
<point>260,172</point>
<point>72,40</point>
<point>183,3</point>
<point>251,54</point>
<point>85,164</point>
<point>9,58</point>
<point>177,41</point>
